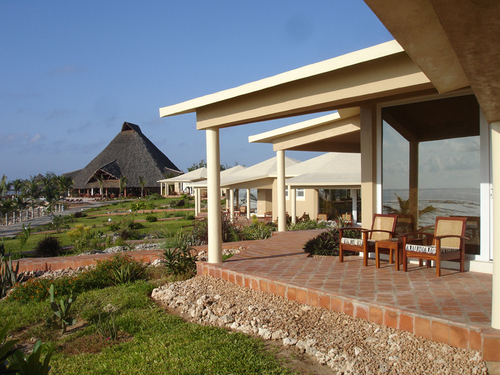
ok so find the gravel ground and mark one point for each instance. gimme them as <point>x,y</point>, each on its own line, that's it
<point>338,341</point>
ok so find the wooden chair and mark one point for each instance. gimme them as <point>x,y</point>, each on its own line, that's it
<point>447,243</point>
<point>383,228</point>
<point>322,217</point>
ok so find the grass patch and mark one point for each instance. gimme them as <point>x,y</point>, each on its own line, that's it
<point>150,340</point>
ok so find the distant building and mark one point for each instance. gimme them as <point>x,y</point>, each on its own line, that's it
<point>131,155</point>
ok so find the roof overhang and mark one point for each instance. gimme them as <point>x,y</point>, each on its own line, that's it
<point>455,43</point>
<point>351,80</point>
<point>337,132</point>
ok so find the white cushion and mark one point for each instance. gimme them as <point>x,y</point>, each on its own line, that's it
<point>429,249</point>
<point>355,241</point>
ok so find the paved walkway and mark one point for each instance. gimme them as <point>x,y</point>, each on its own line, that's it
<point>14,229</point>
<point>453,309</point>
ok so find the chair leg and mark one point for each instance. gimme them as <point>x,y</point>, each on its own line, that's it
<point>341,254</point>
<point>405,264</point>
<point>438,265</point>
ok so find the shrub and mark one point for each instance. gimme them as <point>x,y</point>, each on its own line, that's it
<point>326,243</point>
<point>151,218</point>
<point>81,237</point>
<point>257,231</point>
<point>307,224</point>
<point>178,256</point>
<point>100,276</point>
<point>48,247</point>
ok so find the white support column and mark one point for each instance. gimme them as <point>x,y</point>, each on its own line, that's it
<point>227,198</point>
<point>368,140</point>
<point>292,193</point>
<point>249,215</point>
<point>196,202</point>
<point>280,161</point>
<point>354,196</point>
<point>213,197</point>
<point>495,167</point>
<point>231,204</point>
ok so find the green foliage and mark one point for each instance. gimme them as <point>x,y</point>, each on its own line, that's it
<point>326,243</point>
<point>151,218</point>
<point>100,276</point>
<point>6,348</point>
<point>61,311</point>
<point>48,247</point>
<point>83,238</point>
<point>136,206</point>
<point>13,361</point>
<point>60,222</point>
<point>126,272</point>
<point>307,224</point>
<point>8,275</point>
<point>106,325</point>
<point>178,256</point>
<point>25,235</point>
<point>31,365</point>
<point>258,231</point>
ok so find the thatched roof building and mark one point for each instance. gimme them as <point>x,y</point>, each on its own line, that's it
<point>130,154</point>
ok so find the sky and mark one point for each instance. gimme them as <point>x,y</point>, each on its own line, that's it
<point>73,71</point>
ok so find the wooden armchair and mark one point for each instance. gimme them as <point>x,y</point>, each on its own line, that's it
<point>383,228</point>
<point>447,243</point>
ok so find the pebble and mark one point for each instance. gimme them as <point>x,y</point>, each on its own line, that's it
<point>345,344</point>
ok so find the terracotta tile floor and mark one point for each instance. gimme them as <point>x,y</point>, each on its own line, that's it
<point>458,297</point>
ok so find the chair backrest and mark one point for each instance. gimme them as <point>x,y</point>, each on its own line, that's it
<point>383,222</point>
<point>322,217</point>
<point>450,226</point>
<point>243,209</point>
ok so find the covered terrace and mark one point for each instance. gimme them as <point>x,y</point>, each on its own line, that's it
<point>438,58</point>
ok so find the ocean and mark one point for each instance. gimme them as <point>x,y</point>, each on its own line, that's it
<point>448,202</point>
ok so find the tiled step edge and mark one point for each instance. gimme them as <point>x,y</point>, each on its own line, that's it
<point>481,338</point>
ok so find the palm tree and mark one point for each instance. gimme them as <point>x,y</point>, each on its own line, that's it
<point>32,192</point>
<point>63,183</point>
<point>142,183</point>
<point>6,208</point>
<point>123,183</point>
<point>100,180</point>
<point>16,185</point>
<point>51,195</point>
<point>404,208</point>
<point>4,187</point>
<point>19,204</point>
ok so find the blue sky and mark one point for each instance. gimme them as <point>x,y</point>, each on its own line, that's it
<point>73,72</point>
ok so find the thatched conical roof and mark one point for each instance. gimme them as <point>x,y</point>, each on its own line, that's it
<point>130,154</point>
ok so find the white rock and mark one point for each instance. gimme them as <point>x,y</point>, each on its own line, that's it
<point>287,341</point>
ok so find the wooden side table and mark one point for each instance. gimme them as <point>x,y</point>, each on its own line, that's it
<point>390,247</point>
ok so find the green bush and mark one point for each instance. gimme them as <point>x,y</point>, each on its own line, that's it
<point>101,276</point>
<point>48,247</point>
<point>327,243</point>
<point>178,256</point>
<point>151,218</point>
<point>307,224</point>
<point>257,231</point>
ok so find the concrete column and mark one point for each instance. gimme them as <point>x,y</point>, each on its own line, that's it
<point>368,140</point>
<point>231,204</point>
<point>249,215</point>
<point>413,209</point>
<point>213,197</point>
<point>280,161</point>
<point>292,193</point>
<point>196,202</point>
<point>495,168</point>
<point>354,196</point>
<point>227,198</point>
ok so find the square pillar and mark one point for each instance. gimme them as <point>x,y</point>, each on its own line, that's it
<point>280,164</point>
<point>368,140</point>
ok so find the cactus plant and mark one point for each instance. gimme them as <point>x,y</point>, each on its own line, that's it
<point>61,311</point>
<point>8,275</point>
